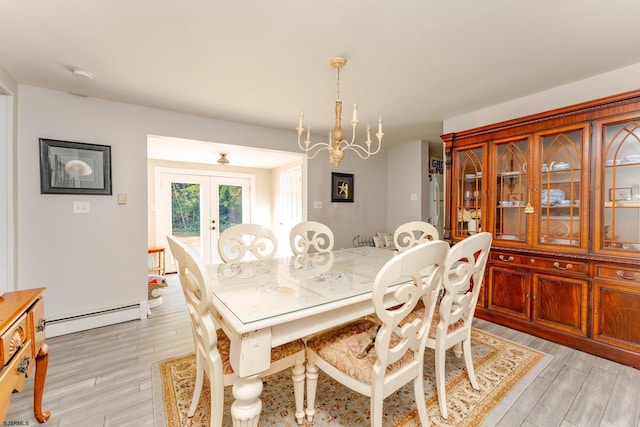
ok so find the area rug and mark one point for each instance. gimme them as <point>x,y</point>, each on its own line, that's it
<point>502,367</point>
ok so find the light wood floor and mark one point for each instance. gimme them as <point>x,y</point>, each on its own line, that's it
<point>102,377</point>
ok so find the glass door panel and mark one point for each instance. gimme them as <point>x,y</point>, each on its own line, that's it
<point>560,187</point>
<point>469,191</point>
<point>512,194</point>
<point>620,188</point>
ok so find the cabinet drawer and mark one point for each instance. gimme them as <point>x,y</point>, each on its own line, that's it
<point>559,264</point>
<point>630,274</point>
<point>555,264</point>
<point>13,338</point>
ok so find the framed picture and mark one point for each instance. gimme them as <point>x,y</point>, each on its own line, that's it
<point>74,168</point>
<point>341,187</point>
<point>620,194</point>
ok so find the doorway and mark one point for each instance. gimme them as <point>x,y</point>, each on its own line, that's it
<point>196,207</point>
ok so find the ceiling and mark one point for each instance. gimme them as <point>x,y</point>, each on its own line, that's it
<point>413,62</point>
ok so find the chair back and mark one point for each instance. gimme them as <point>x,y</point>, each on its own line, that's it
<point>413,233</point>
<point>310,236</point>
<point>397,337</point>
<point>462,279</point>
<point>242,241</point>
<point>194,280</point>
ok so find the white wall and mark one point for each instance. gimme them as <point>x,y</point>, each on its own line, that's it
<point>367,213</point>
<point>404,182</point>
<point>8,133</point>
<point>614,82</point>
<point>98,261</point>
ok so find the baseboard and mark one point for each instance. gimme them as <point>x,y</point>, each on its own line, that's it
<point>83,322</point>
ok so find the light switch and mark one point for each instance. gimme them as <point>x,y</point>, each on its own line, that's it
<point>317,204</point>
<point>122,199</point>
<point>81,207</point>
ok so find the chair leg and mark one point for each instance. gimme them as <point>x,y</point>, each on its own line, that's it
<point>197,390</point>
<point>375,407</point>
<point>298,390</point>
<point>441,384</point>
<point>312,384</point>
<point>468,361</point>
<point>421,403</point>
<point>217,399</point>
<point>457,350</point>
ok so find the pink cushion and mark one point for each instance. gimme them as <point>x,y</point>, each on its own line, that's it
<point>335,347</point>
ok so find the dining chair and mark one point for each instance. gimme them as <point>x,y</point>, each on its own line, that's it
<point>242,241</point>
<point>213,347</point>
<point>310,236</point>
<point>462,279</point>
<point>375,356</point>
<point>413,233</point>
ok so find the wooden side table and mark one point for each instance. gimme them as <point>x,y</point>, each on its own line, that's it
<point>158,255</point>
<point>22,335</point>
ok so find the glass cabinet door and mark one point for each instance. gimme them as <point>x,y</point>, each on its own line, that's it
<point>618,199</point>
<point>511,197</point>
<point>561,188</point>
<point>469,190</point>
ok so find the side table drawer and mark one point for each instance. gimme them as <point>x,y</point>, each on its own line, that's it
<point>13,338</point>
<point>37,323</point>
<point>12,376</point>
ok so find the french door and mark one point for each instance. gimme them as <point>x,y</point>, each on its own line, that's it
<point>197,208</point>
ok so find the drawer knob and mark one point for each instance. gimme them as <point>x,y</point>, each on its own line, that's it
<point>623,274</point>
<point>41,325</point>
<point>567,267</point>
<point>503,258</point>
<point>23,366</point>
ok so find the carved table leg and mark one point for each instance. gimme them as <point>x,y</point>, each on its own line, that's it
<point>246,408</point>
<point>42,361</point>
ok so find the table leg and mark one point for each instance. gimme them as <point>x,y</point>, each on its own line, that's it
<point>246,408</point>
<point>42,362</point>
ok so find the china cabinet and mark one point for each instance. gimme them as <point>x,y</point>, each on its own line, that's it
<point>560,192</point>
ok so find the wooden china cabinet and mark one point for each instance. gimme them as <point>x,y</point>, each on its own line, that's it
<point>560,192</point>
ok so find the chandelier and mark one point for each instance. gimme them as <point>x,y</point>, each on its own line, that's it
<point>336,144</point>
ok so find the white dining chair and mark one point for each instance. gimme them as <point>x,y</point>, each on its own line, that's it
<point>462,279</point>
<point>413,233</point>
<point>213,347</point>
<point>243,241</point>
<point>310,236</point>
<point>376,356</point>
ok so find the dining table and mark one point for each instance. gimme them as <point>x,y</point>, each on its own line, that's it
<point>263,304</point>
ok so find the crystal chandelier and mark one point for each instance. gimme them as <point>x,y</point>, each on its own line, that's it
<point>336,144</point>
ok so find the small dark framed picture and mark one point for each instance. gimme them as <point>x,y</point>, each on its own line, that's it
<point>74,168</point>
<point>620,194</point>
<point>341,187</point>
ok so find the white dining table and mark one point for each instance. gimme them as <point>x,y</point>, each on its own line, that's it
<point>263,304</point>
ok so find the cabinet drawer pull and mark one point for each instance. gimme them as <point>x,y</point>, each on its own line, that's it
<point>624,276</point>
<point>23,366</point>
<point>502,258</point>
<point>41,325</point>
<point>557,265</point>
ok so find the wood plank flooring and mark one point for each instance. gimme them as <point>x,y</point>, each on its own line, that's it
<point>102,377</point>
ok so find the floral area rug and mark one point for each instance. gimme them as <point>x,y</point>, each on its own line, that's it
<point>501,367</point>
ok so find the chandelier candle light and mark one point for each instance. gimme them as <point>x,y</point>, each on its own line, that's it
<point>337,145</point>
